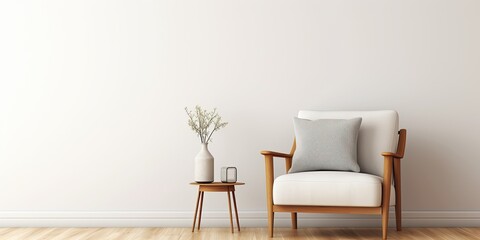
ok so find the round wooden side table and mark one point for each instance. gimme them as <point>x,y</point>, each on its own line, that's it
<point>216,187</point>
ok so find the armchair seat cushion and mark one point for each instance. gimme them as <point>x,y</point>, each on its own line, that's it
<point>329,188</point>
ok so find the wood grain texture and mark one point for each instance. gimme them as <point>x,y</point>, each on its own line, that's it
<point>225,233</point>
<point>217,184</point>
<point>398,192</point>
<point>383,209</point>
<point>236,210</point>
<point>387,183</point>
<point>230,210</point>
<point>201,209</point>
<point>229,188</point>
<point>196,210</point>
<point>269,189</point>
<point>276,154</point>
<point>327,209</point>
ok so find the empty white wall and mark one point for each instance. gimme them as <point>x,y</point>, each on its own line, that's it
<point>92,126</point>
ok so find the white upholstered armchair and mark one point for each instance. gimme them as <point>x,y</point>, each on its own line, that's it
<point>380,147</point>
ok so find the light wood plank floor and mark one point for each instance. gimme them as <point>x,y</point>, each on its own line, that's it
<point>224,233</point>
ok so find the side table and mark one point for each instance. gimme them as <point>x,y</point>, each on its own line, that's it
<point>216,187</point>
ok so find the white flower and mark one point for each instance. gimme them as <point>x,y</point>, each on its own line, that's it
<point>204,122</point>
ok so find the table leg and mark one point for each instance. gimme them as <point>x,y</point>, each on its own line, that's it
<point>230,210</point>
<point>201,207</point>
<point>196,210</point>
<point>236,211</point>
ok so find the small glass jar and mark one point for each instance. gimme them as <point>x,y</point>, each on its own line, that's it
<point>229,174</point>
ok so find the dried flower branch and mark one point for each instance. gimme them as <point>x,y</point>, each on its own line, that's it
<point>204,122</point>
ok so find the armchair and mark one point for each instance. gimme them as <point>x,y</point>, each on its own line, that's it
<point>381,145</point>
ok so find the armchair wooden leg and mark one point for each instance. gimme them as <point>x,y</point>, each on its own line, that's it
<point>270,223</point>
<point>384,222</point>
<point>398,216</point>
<point>398,193</point>
<point>387,183</point>
<point>269,188</point>
<point>294,220</point>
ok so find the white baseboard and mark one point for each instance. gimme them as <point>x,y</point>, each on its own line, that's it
<point>221,219</point>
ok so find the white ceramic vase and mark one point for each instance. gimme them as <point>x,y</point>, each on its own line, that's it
<point>204,165</point>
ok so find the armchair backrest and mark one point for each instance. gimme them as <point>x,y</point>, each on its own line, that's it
<point>378,133</point>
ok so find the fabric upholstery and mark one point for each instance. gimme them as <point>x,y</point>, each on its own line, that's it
<point>326,144</point>
<point>329,188</point>
<point>378,133</point>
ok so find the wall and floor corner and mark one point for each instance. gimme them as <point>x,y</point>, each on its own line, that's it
<point>93,131</point>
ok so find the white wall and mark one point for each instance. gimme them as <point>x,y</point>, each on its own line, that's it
<point>92,126</point>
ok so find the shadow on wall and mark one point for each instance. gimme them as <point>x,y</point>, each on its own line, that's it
<point>429,176</point>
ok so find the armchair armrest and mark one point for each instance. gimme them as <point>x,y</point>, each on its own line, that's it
<point>392,167</point>
<point>269,175</point>
<point>390,154</point>
<point>269,155</point>
<point>402,138</point>
<point>276,154</point>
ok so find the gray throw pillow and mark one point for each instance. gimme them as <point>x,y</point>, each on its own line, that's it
<point>326,144</point>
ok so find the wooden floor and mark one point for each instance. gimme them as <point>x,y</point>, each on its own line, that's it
<point>224,233</point>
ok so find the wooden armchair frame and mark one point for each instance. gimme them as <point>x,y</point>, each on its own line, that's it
<point>391,166</point>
